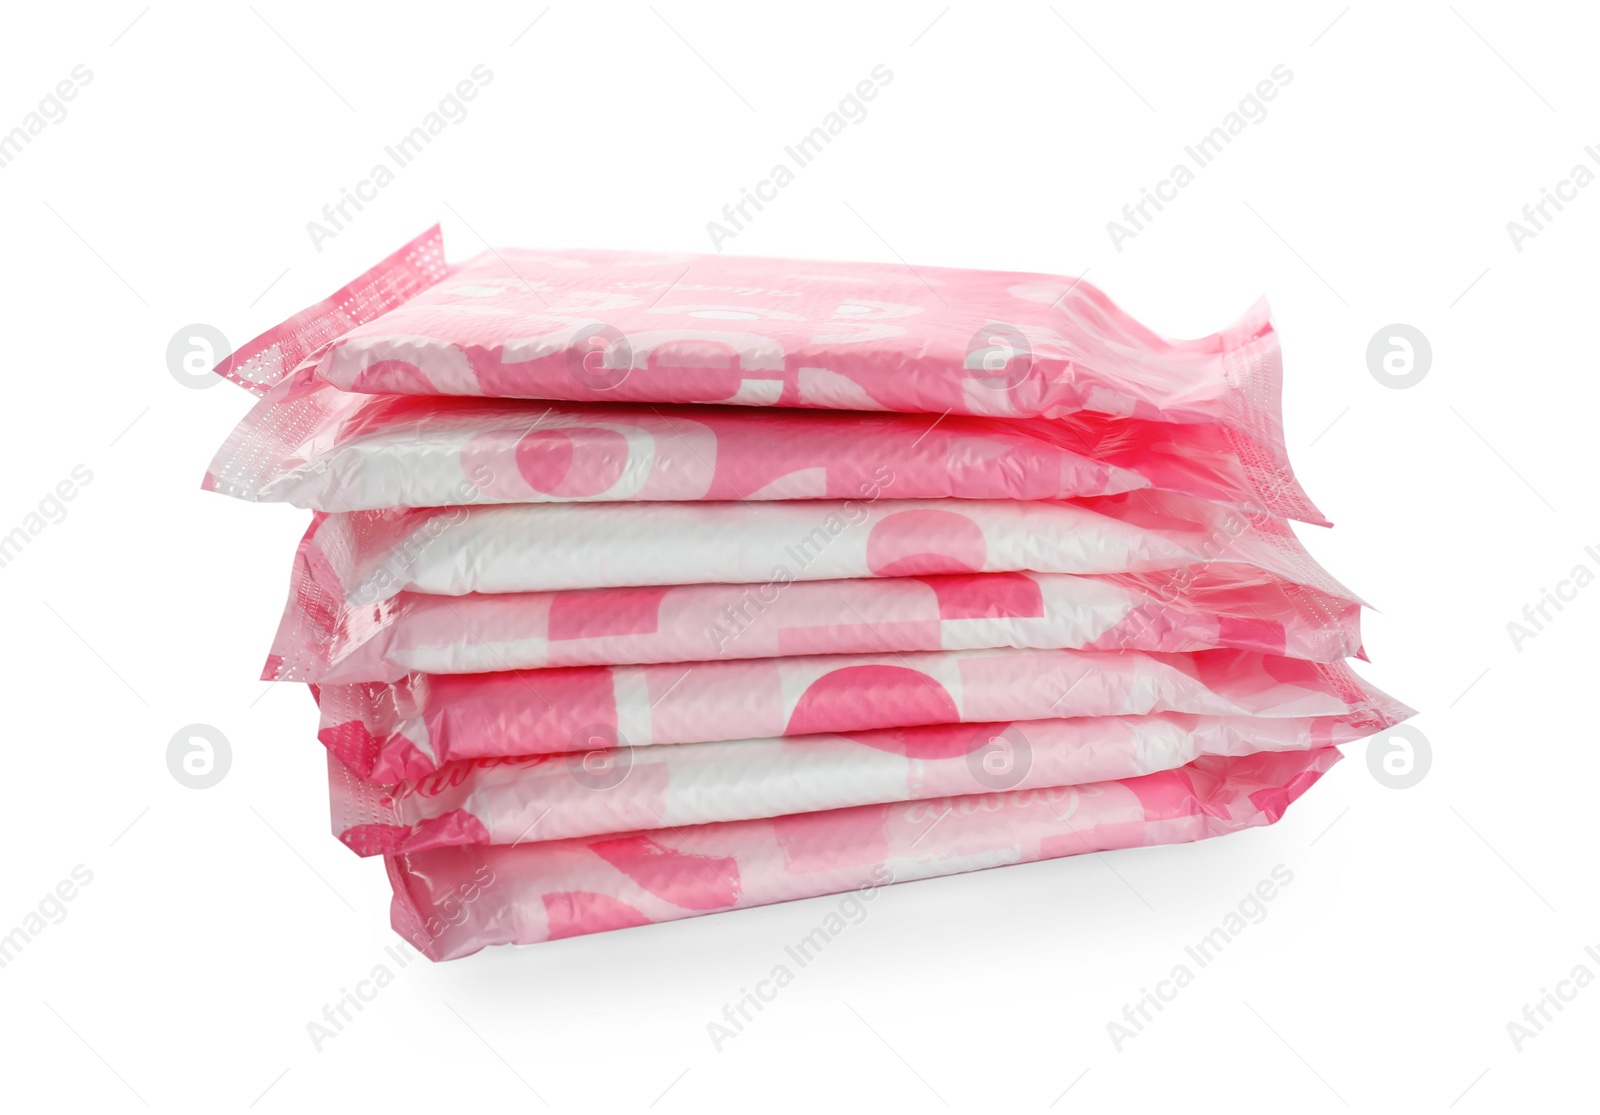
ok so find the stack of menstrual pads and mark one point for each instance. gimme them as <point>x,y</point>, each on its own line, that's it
<point>645,586</point>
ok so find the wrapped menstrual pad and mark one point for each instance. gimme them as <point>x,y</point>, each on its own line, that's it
<point>453,901</point>
<point>529,798</point>
<point>409,728</point>
<point>324,638</point>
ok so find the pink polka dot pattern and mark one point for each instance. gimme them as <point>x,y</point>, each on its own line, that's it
<point>915,543</point>
<point>897,694</point>
<point>572,463</point>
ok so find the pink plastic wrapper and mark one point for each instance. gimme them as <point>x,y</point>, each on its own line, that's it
<point>591,326</point>
<point>547,547</point>
<point>324,639</point>
<point>554,797</point>
<point>452,901</point>
<point>406,729</point>
<point>308,444</point>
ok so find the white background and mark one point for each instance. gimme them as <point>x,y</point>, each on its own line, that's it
<point>1377,190</point>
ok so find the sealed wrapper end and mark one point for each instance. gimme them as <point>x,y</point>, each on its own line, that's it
<point>451,902</point>
<point>263,361</point>
<point>529,798</point>
<point>410,728</point>
<point>611,327</point>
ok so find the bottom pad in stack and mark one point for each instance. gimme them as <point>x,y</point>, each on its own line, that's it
<point>642,587</point>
